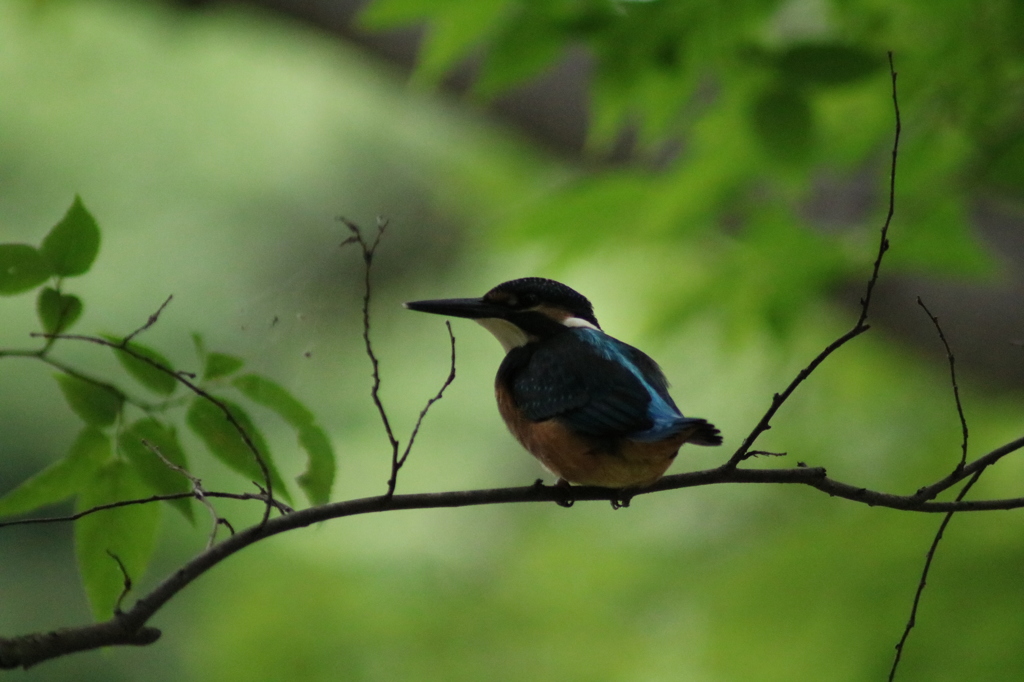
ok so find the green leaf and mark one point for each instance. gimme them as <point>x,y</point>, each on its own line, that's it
<point>127,532</point>
<point>223,440</point>
<point>453,33</point>
<point>151,469</point>
<point>146,374</point>
<point>72,244</point>
<point>95,404</point>
<point>937,237</point>
<point>22,267</point>
<point>828,63</point>
<point>525,45</point>
<point>1001,165</point>
<point>221,364</point>
<point>389,14</point>
<point>270,394</point>
<point>781,117</point>
<point>63,478</point>
<point>57,311</point>
<point>318,478</point>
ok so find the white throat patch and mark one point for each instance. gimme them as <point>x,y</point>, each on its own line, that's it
<point>508,335</point>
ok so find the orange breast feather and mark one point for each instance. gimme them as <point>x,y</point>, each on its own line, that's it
<point>606,462</point>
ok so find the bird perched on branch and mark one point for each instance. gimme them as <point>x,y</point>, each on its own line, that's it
<point>592,409</point>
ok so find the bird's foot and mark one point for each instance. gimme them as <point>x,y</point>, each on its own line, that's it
<point>568,498</point>
<point>621,497</point>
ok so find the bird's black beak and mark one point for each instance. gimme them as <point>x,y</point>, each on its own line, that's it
<point>472,308</point>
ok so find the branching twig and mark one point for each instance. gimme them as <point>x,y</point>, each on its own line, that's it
<point>397,464</point>
<point>860,327</point>
<point>197,490</point>
<point>956,387</point>
<point>127,582</point>
<point>397,459</point>
<point>912,619</point>
<point>149,323</point>
<point>368,251</point>
<point>188,383</point>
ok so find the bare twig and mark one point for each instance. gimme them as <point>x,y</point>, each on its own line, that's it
<point>368,251</point>
<point>860,327</point>
<point>396,465</point>
<point>398,456</point>
<point>912,620</point>
<point>764,453</point>
<point>149,323</point>
<point>127,582</point>
<point>883,244</point>
<point>262,498</point>
<point>197,490</point>
<point>956,388</point>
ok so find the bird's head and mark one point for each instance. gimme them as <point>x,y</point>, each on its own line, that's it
<point>520,311</point>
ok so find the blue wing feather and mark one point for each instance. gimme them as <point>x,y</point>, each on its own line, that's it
<point>597,386</point>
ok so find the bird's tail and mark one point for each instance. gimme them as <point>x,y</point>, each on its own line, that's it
<point>703,432</point>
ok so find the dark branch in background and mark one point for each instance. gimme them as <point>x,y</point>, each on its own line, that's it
<point>743,452</point>
<point>181,378</point>
<point>912,619</point>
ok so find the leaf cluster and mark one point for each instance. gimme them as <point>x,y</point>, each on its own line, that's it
<point>129,447</point>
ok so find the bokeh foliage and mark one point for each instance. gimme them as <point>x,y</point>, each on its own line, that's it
<point>208,138</point>
<point>760,96</point>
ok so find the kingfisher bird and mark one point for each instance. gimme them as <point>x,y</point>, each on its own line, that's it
<point>594,410</point>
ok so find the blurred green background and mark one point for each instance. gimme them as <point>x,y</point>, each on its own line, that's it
<point>717,197</point>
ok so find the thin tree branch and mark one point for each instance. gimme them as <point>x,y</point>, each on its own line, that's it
<point>933,490</point>
<point>397,459</point>
<point>127,582</point>
<point>956,388</point>
<point>883,244</point>
<point>861,326</point>
<point>964,433</point>
<point>149,323</point>
<point>130,627</point>
<point>198,492</point>
<point>368,251</point>
<point>184,379</point>
<point>426,408</point>
<point>912,620</point>
<point>262,498</point>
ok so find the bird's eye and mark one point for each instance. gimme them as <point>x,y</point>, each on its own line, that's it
<point>527,301</point>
